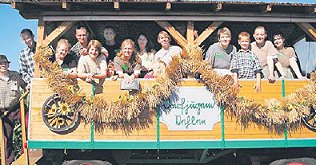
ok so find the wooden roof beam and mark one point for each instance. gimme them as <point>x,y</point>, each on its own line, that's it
<point>308,29</point>
<point>174,33</point>
<point>116,5</point>
<point>267,8</point>
<point>168,6</point>
<point>207,32</point>
<point>218,6</point>
<point>91,30</point>
<point>311,9</point>
<point>65,5</point>
<point>13,4</point>
<point>60,30</point>
<point>190,35</point>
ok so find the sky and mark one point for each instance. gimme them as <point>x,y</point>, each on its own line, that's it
<point>11,25</point>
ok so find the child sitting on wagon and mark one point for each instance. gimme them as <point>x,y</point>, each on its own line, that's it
<point>245,64</point>
<point>267,54</point>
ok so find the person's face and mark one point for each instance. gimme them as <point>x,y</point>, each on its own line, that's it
<point>109,34</point>
<point>259,35</point>
<point>278,41</point>
<point>164,41</point>
<point>128,50</point>
<point>27,39</point>
<point>244,43</point>
<point>224,40</point>
<point>82,35</point>
<point>142,41</point>
<point>4,67</point>
<point>93,52</point>
<point>62,51</point>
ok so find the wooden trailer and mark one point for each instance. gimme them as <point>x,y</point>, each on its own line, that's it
<point>193,126</point>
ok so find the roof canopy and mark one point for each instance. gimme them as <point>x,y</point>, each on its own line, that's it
<point>171,8</point>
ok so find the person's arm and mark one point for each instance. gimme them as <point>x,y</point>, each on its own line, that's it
<point>236,83</point>
<point>82,70</point>
<point>234,70</point>
<point>23,68</point>
<point>272,54</point>
<point>257,86</point>
<point>105,52</point>
<point>294,65</point>
<point>103,69</point>
<point>209,55</point>
<point>118,67</point>
<point>258,72</point>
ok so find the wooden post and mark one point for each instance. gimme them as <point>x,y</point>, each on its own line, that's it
<point>174,33</point>
<point>207,32</point>
<point>2,143</point>
<point>190,35</point>
<point>308,29</point>
<point>40,38</point>
<point>25,157</point>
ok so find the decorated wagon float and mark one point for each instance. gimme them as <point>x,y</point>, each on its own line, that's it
<point>170,119</point>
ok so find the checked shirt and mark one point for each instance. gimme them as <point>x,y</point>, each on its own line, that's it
<point>245,64</point>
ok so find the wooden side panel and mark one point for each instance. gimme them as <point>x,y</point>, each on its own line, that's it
<point>302,132</point>
<point>37,128</point>
<point>111,90</point>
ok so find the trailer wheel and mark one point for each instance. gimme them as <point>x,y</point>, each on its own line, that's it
<point>58,116</point>
<point>310,121</point>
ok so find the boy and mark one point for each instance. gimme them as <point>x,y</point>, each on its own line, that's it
<point>27,63</point>
<point>80,48</point>
<point>220,54</point>
<point>245,64</point>
<point>167,51</point>
<point>110,44</point>
<point>266,53</point>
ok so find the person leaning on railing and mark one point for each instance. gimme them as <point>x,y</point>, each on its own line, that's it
<point>93,66</point>
<point>65,60</point>
<point>11,87</point>
<point>127,64</point>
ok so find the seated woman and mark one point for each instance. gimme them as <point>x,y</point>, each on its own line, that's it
<point>146,54</point>
<point>127,64</point>
<point>65,60</point>
<point>287,56</point>
<point>93,66</point>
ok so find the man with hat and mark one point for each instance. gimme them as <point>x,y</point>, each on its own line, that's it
<point>11,85</point>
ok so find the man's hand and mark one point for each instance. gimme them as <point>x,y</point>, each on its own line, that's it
<point>105,52</point>
<point>83,51</point>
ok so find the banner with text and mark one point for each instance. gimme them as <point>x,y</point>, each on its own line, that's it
<point>190,108</point>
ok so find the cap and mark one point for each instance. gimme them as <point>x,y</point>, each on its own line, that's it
<point>4,58</point>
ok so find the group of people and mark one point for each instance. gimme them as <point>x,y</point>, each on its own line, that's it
<point>91,60</point>
<point>256,60</point>
<point>87,60</point>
